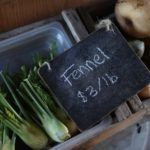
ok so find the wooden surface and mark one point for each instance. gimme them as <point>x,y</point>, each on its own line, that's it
<point>112,130</point>
<point>75,24</point>
<point>14,13</point>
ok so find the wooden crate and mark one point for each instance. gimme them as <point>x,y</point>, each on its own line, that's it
<point>124,116</point>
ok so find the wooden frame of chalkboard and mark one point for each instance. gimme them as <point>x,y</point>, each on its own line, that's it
<point>95,76</point>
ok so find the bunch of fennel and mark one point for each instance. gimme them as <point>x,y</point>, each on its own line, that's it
<point>40,88</point>
<point>6,143</point>
<point>20,123</point>
<point>32,77</point>
<point>27,88</point>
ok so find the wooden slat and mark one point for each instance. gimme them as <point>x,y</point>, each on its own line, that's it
<point>110,131</point>
<point>84,136</point>
<point>87,19</point>
<point>135,103</point>
<point>75,24</point>
<point>123,112</point>
<point>14,13</point>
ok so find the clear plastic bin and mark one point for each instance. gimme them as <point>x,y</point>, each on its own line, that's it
<point>19,50</point>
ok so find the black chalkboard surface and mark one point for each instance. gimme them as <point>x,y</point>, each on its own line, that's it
<point>95,76</point>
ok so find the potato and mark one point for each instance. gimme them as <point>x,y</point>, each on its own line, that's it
<point>134,17</point>
<point>145,93</point>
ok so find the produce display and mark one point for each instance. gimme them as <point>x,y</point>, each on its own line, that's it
<point>28,110</point>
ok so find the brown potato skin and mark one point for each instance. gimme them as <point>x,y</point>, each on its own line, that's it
<point>145,93</point>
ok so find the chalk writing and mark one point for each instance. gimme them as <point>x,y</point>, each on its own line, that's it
<point>107,80</point>
<point>92,91</point>
<point>89,65</point>
<point>82,96</point>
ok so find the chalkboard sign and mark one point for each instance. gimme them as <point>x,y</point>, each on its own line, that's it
<point>95,76</point>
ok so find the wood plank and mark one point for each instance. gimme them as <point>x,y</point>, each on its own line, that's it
<point>75,24</point>
<point>123,112</point>
<point>14,13</point>
<point>84,136</point>
<point>135,103</point>
<point>87,19</point>
<point>110,131</point>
